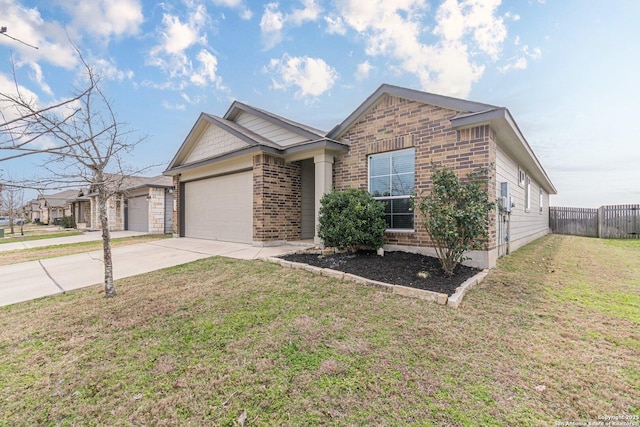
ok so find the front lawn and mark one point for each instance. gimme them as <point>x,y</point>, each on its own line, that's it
<point>52,251</point>
<point>552,335</point>
<point>33,233</point>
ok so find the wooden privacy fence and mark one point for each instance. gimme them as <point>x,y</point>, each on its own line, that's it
<point>607,222</point>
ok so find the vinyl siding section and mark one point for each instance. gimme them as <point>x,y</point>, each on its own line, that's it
<point>213,141</point>
<point>525,225</point>
<point>268,130</point>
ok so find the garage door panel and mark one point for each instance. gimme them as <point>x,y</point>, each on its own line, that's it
<point>220,208</point>
<point>138,214</point>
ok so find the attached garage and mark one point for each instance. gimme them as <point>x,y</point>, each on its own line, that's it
<point>137,214</point>
<point>219,208</point>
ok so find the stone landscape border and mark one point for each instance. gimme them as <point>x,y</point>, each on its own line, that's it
<point>437,297</point>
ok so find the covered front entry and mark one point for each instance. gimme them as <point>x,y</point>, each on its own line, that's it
<point>219,208</point>
<point>137,214</point>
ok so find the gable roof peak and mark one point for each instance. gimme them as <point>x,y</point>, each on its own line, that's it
<point>449,102</point>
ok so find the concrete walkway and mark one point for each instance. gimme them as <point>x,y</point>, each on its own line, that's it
<point>88,236</point>
<point>34,279</point>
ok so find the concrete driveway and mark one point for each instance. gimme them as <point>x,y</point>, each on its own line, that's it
<point>34,279</point>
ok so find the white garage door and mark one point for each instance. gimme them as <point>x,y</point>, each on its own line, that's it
<point>220,208</point>
<point>138,214</point>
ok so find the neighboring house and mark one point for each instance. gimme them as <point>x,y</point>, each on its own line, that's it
<point>81,210</point>
<point>255,177</point>
<point>144,204</point>
<point>55,206</point>
<point>32,210</point>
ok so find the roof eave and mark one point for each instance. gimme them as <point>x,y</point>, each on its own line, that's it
<point>237,106</point>
<point>226,156</point>
<point>502,122</point>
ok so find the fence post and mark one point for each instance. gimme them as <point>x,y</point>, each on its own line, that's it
<point>600,221</point>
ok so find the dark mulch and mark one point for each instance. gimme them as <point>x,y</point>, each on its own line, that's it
<point>397,268</point>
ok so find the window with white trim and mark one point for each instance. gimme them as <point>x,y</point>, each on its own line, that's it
<point>541,197</point>
<point>527,193</point>
<point>391,180</point>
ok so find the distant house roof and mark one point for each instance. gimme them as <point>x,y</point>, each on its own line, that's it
<point>59,200</point>
<point>136,182</point>
<point>124,183</point>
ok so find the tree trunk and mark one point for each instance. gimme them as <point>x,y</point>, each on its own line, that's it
<point>109,288</point>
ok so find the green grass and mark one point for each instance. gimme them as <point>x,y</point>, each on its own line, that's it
<point>52,251</point>
<point>551,335</point>
<point>16,237</point>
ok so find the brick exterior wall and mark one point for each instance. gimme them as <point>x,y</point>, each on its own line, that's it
<point>277,199</point>
<point>395,123</point>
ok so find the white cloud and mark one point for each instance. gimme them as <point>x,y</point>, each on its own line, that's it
<point>101,18</point>
<point>177,35</point>
<point>447,59</point>
<point>521,60</point>
<point>363,70</point>
<point>271,25</point>
<point>458,18</point>
<point>311,76</point>
<point>207,71</point>
<point>173,53</point>
<point>335,25</point>
<point>310,12</point>
<point>105,17</point>
<point>27,24</point>
<point>273,22</point>
<point>512,16</point>
<point>245,12</point>
<point>108,70</point>
<point>8,87</point>
<point>228,3</point>
<point>39,78</point>
<point>179,107</point>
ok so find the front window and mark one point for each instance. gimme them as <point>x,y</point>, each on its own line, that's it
<point>391,180</point>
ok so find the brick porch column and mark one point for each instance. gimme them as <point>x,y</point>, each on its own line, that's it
<point>323,183</point>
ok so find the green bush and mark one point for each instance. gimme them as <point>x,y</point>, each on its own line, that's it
<point>351,219</point>
<point>455,215</point>
<point>67,222</point>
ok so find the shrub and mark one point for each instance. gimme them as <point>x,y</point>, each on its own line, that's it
<point>67,222</point>
<point>455,215</point>
<point>351,219</point>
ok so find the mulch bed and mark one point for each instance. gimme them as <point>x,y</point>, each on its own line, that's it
<point>396,268</point>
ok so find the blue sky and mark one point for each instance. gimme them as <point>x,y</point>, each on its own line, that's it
<point>567,70</point>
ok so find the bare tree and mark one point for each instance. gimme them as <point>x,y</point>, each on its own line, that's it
<point>85,143</point>
<point>12,202</point>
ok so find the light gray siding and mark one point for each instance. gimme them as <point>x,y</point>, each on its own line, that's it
<point>268,130</point>
<point>525,225</point>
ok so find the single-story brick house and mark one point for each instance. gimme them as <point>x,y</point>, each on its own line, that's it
<point>55,206</point>
<point>143,204</point>
<point>255,177</point>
